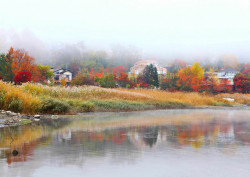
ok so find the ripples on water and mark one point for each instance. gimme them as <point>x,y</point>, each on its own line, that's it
<point>151,143</point>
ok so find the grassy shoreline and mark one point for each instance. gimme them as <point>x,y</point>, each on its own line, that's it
<point>39,99</point>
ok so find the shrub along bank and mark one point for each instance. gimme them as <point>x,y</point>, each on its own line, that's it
<point>33,98</point>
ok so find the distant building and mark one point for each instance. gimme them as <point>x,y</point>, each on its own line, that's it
<point>60,74</point>
<point>227,74</point>
<point>140,65</point>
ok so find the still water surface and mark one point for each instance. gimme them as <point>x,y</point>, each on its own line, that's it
<point>142,144</point>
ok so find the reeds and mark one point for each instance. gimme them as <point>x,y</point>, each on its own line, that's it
<point>31,98</point>
<point>14,99</point>
<point>238,97</point>
<point>189,98</point>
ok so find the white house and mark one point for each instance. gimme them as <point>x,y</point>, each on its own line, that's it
<point>140,65</point>
<point>60,74</point>
<point>227,74</point>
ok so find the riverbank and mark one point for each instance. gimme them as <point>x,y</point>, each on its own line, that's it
<point>34,99</point>
<point>14,119</point>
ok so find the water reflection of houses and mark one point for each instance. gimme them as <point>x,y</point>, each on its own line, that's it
<point>196,135</point>
<point>65,135</point>
<point>123,142</point>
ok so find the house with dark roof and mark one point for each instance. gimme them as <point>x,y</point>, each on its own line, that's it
<point>60,74</point>
<point>227,74</point>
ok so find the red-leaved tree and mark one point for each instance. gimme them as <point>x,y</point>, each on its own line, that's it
<point>118,70</point>
<point>241,83</point>
<point>224,86</point>
<point>22,77</point>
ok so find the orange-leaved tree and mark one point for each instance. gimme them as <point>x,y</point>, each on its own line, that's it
<point>191,77</point>
<point>224,86</point>
<point>123,79</point>
<point>21,61</point>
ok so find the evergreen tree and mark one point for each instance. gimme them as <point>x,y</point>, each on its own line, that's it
<point>155,77</point>
<point>150,75</point>
<point>5,68</point>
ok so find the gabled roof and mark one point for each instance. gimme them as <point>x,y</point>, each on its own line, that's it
<point>229,70</point>
<point>63,70</point>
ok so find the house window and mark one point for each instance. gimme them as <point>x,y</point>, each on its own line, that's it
<point>56,77</point>
<point>67,76</point>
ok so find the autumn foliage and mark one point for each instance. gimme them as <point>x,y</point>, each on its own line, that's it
<point>242,83</point>
<point>21,61</point>
<point>224,86</point>
<point>83,79</point>
<point>191,77</point>
<point>117,70</point>
<point>16,61</point>
<point>22,77</point>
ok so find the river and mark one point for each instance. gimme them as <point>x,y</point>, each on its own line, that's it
<point>185,143</point>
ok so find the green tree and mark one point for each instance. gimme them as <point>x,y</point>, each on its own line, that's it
<point>45,71</point>
<point>5,68</point>
<point>150,75</point>
<point>108,81</point>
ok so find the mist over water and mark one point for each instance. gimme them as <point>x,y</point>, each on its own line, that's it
<point>152,143</point>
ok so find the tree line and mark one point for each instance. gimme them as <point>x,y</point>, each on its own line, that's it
<point>17,66</point>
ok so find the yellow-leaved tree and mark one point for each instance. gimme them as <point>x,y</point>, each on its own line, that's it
<point>191,77</point>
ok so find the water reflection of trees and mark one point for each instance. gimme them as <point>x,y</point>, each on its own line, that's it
<point>214,133</point>
<point>24,139</point>
<point>150,135</point>
<point>120,143</point>
<point>242,132</point>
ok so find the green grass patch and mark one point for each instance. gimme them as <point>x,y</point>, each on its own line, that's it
<point>24,121</point>
<point>171,105</point>
<point>86,106</point>
<point>216,103</point>
<point>79,106</point>
<point>52,106</point>
<point>117,105</point>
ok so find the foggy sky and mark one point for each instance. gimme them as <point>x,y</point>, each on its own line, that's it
<point>160,29</point>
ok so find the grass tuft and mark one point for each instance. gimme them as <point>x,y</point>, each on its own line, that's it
<point>86,106</point>
<point>52,106</point>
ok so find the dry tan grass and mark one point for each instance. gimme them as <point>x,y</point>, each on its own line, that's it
<point>139,95</point>
<point>238,97</point>
<point>194,99</point>
<point>30,104</point>
<point>83,92</point>
<point>31,94</point>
